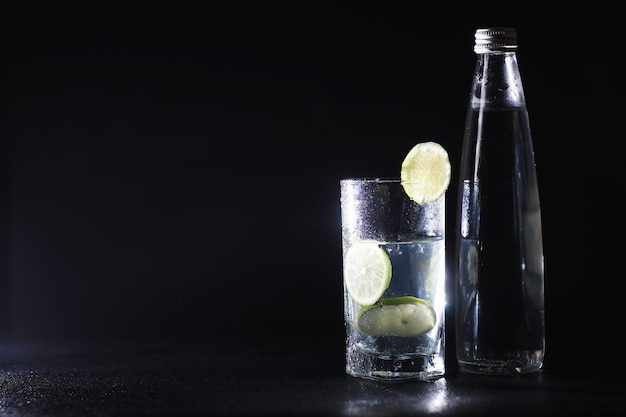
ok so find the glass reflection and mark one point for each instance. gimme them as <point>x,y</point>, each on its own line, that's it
<point>364,397</point>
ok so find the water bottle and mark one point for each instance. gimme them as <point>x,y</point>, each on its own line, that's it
<point>499,310</point>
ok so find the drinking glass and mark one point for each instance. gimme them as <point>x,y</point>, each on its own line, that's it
<point>394,281</point>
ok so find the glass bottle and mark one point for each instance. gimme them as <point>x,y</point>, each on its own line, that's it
<point>500,279</point>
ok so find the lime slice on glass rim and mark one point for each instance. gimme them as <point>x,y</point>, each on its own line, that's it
<point>401,316</point>
<point>367,272</point>
<point>426,172</point>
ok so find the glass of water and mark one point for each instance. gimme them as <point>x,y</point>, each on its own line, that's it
<point>394,281</point>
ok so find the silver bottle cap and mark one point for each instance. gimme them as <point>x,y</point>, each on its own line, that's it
<point>495,39</point>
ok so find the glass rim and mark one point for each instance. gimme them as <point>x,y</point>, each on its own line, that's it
<point>377,180</point>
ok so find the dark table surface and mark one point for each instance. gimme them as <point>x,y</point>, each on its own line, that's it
<point>162,380</point>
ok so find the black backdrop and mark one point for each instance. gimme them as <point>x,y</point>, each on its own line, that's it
<point>170,172</point>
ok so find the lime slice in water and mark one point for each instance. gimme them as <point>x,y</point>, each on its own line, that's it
<point>367,272</point>
<point>426,172</point>
<point>402,316</point>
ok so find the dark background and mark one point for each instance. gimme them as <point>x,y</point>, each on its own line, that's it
<point>170,172</point>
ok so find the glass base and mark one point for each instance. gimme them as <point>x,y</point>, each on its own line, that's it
<point>398,368</point>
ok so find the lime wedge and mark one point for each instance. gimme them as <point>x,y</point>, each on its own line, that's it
<point>402,316</point>
<point>426,172</point>
<point>367,272</point>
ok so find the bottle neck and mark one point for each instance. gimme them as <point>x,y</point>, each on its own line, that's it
<point>497,82</point>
